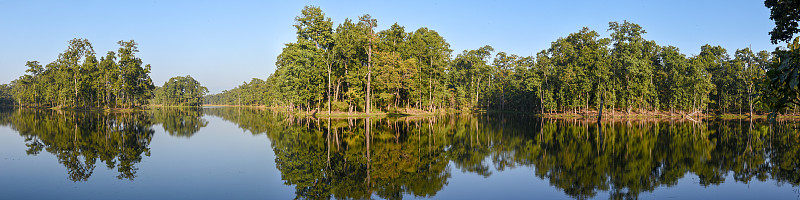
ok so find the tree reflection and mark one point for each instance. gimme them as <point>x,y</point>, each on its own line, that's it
<point>181,122</point>
<point>80,139</point>
<point>393,157</point>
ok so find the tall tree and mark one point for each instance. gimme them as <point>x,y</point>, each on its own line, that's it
<point>781,85</point>
<point>368,23</point>
<point>433,53</point>
<point>182,91</point>
<point>631,56</point>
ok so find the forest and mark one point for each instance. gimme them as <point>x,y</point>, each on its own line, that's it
<point>351,67</point>
<point>179,91</point>
<point>354,68</point>
<point>78,79</point>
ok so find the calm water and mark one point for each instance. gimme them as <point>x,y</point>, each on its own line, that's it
<point>231,153</point>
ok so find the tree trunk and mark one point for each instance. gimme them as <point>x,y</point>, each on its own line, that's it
<point>329,94</point>
<point>430,85</point>
<point>541,102</point>
<point>75,100</point>
<point>477,92</point>
<point>628,96</point>
<point>600,110</point>
<point>369,75</point>
<point>487,100</point>
<point>750,100</point>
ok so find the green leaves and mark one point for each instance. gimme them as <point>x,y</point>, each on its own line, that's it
<point>180,91</point>
<point>780,89</point>
<point>786,14</point>
<point>77,79</point>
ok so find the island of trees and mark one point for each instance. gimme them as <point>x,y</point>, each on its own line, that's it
<point>180,91</point>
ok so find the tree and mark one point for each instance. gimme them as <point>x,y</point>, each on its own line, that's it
<point>180,91</point>
<point>468,70</point>
<point>786,14</point>
<point>633,67</point>
<point>782,80</point>
<point>368,23</point>
<point>78,80</point>
<point>433,53</point>
<point>6,98</point>
<point>781,83</point>
<point>134,80</point>
<point>356,69</point>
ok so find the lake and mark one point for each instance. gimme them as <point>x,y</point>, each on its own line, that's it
<point>246,153</point>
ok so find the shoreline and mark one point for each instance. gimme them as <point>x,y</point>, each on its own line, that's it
<point>416,113</point>
<point>591,115</point>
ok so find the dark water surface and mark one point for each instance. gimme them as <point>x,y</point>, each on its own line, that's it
<point>237,153</point>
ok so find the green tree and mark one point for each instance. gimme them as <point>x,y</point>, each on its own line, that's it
<point>433,54</point>
<point>368,23</point>
<point>632,57</point>
<point>180,91</point>
<point>781,89</point>
<point>786,14</point>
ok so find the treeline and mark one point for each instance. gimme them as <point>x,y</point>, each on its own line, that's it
<point>180,91</point>
<point>79,79</point>
<point>5,95</point>
<point>355,67</point>
<point>252,93</point>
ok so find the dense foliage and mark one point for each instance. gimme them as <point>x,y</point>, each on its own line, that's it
<point>781,90</point>
<point>180,91</point>
<point>786,14</point>
<point>580,73</point>
<point>78,79</point>
<point>6,97</point>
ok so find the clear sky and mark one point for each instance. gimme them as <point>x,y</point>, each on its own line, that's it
<point>224,43</point>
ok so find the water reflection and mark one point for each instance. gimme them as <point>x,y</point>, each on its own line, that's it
<point>349,158</point>
<point>181,122</point>
<point>80,139</point>
<point>414,156</point>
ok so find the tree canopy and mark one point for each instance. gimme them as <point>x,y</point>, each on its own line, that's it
<point>180,91</point>
<point>79,79</point>
<point>395,70</point>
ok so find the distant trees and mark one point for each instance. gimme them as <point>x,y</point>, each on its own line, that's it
<point>579,73</point>
<point>256,92</point>
<point>5,95</point>
<point>180,91</point>
<point>78,79</point>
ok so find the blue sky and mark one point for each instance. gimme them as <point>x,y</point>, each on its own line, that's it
<point>224,43</point>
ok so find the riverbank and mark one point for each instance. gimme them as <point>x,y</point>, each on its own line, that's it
<point>665,115</point>
<point>554,115</point>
